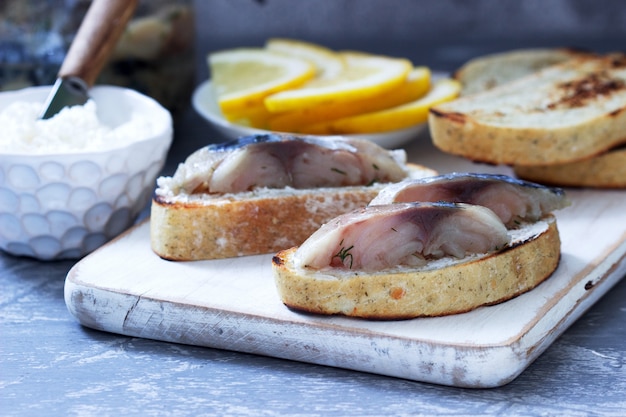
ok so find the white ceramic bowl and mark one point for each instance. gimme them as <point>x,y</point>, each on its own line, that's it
<point>205,104</point>
<point>65,205</point>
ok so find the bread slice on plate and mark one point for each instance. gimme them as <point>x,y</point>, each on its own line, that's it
<point>607,170</point>
<point>489,71</point>
<point>563,113</point>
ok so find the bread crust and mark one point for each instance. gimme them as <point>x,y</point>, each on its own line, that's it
<point>603,171</point>
<point>489,71</point>
<point>564,113</point>
<point>264,221</point>
<point>457,287</point>
<point>228,228</point>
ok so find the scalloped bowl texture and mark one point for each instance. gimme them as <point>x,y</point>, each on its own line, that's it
<point>65,205</point>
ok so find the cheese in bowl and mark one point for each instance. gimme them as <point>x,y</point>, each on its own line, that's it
<point>71,183</point>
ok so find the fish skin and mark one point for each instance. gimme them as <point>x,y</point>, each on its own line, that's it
<point>256,139</point>
<point>278,161</point>
<point>512,199</point>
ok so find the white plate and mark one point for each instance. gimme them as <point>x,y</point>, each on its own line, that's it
<point>203,101</point>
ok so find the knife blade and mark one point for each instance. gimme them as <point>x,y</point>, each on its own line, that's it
<point>95,39</point>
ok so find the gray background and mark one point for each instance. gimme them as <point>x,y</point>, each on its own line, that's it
<point>442,32</point>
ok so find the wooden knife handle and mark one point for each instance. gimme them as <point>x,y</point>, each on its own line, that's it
<point>96,38</point>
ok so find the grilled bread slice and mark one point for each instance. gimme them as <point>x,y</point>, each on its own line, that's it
<point>489,71</point>
<point>441,287</point>
<point>603,171</point>
<point>563,113</point>
<point>607,170</point>
<point>205,226</point>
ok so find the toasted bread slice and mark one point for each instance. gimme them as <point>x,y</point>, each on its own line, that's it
<point>603,171</point>
<point>202,226</point>
<point>441,287</point>
<point>489,71</point>
<point>563,113</point>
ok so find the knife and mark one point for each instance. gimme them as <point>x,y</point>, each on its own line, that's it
<point>96,38</point>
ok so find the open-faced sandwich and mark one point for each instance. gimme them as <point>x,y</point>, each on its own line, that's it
<point>263,193</point>
<point>427,247</point>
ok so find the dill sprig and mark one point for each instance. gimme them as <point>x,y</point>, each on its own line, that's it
<point>344,253</point>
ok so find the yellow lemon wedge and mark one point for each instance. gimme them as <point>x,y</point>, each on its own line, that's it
<point>328,63</point>
<point>243,77</point>
<point>365,75</point>
<point>416,84</point>
<point>398,117</point>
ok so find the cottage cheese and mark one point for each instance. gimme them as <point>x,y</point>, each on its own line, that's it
<point>73,129</point>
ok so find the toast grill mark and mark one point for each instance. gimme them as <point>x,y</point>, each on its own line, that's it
<point>577,93</point>
<point>277,260</point>
<point>453,116</point>
<point>618,61</point>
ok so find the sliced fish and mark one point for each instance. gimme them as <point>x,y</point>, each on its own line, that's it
<point>513,200</point>
<point>278,161</point>
<point>404,234</point>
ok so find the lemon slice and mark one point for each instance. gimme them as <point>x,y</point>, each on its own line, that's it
<point>327,62</point>
<point>254,116</point>
<point>398,117</point>
<point>243,77</point>
<point>416,84</point>
<point>365,75</point>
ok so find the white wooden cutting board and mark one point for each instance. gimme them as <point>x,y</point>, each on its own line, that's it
<point>232,304</point>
